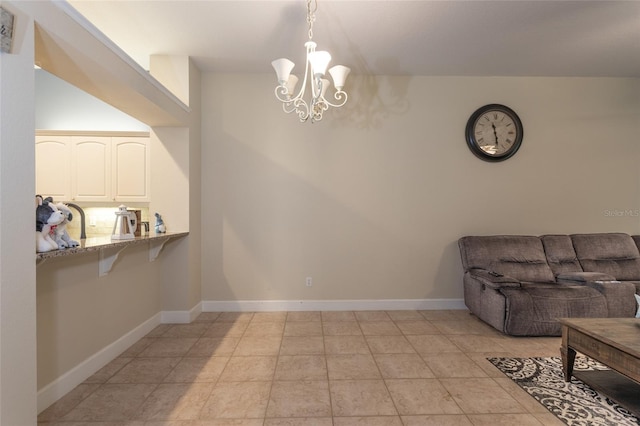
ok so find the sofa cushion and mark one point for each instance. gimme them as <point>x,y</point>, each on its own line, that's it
<point>615,254</point>
<point>560,254</point>
<point>516,256</point>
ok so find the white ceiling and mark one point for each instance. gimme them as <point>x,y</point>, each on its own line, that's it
<point>418,37</point>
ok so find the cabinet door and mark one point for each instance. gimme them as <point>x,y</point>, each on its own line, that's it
<point>53,167</point>
<point>130,168</point>
<point>91,177</point>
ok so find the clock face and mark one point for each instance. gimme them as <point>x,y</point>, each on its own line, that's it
<point>494,132</point>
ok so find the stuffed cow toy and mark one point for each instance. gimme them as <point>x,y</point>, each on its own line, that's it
<point>61,235</point>
<point>48,217</point>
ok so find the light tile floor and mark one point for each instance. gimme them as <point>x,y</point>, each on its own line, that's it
<point>374,368</point>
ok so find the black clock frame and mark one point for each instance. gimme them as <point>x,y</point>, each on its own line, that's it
<point>473,144</point>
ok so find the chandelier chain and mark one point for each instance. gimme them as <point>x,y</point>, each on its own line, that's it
<point>311,15</point>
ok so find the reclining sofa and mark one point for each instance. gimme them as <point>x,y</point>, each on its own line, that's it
<point>522,284</point>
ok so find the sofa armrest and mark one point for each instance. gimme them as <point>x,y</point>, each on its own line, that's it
<point>620,296</point>
<point>493,279</point>
<point>583,277</point>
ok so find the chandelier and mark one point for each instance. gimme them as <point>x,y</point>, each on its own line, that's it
<point>315,69</point>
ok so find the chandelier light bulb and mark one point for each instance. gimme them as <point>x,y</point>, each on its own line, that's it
<point>313,82</point>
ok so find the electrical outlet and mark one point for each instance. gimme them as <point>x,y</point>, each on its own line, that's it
<point>309,282</point>
<point>92,221</point>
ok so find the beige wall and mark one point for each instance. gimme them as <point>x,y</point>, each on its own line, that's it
<point>371,201</point>
<point>80,313</point>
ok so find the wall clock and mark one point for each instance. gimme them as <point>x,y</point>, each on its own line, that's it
<point>494,132</point>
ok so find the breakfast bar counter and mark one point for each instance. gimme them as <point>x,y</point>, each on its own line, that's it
<point>109,249</point>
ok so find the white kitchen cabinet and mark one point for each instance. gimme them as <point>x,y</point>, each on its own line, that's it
<point>93,168</point>
<point>130,170</point>
<point>53,167</point>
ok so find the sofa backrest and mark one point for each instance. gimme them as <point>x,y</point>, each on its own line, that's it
<point>519,256</point>
<point>561,256</point>
<point>636,238</point>
<point>615,254</point>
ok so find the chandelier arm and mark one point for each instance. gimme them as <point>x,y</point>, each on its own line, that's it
<point>340,96</point>
<point>308,72</point>
<point>288,107</point>
<point>299,106</point>
<point>303,88</point>
<point>302,110</point>
<point>281,94</point>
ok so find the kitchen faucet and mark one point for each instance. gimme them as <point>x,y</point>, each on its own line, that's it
<point>83,235</point>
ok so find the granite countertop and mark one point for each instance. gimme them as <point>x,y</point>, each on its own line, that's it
<point>98,243</point>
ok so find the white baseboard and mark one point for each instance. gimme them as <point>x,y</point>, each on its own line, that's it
<point>81,372</point>
<point>181,317</point>
<point>330,305</point>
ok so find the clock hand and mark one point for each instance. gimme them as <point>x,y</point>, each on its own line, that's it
<point>495,133</point>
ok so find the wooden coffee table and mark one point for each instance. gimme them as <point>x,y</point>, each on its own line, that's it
<point>615,342</point>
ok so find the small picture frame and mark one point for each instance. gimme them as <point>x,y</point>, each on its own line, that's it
<point>6,30</point>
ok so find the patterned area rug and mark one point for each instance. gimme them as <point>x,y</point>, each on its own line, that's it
<point>574,403</point>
